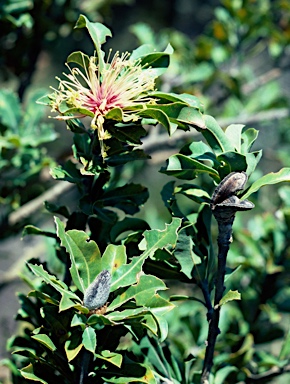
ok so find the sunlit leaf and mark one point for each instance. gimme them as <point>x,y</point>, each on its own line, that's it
<point>271,178</point>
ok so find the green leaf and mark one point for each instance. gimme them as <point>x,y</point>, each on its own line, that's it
<point>79,58</point>
<point>232,162</point>
<point>153,240</point>
<point>114,257</point>
<point>111,357</point>
<point>189,100</point>
<point>129,224</point>
<point>158,115</point>
<point>84,254</point>
<point>68,298</point>
<point>98,33</point>
<point>248,138</point>
<point>10,111</point>
<point>32,230</point>
<point>223,373</point>
<point>191,116</point>
<point>133,373</point>
<point>89,339</point>
<point>45,340</point>
<point>142,292</point>
<point>28,373</point>
<point>215,136</point>
<point>184,253</point>
<point>285,350</point>
<point>230,296</point>
<point>234,134</point>
<point>184,167</point>
<point>73,346</point>
<point>271,178</point>
<point>128,198</point>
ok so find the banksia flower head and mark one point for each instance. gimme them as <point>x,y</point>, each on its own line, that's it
<point>96,90</point>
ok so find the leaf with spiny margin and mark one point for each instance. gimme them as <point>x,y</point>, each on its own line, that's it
<point>68,298</point>
<point>85,255</point>
<point>184,253</point>
<point>142,292</point>
<point>153,240</point>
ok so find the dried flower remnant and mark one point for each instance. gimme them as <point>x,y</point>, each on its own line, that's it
<point>96,295</point>
<point>122,84</point>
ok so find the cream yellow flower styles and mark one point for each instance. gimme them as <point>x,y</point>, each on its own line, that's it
<point>123,84</point>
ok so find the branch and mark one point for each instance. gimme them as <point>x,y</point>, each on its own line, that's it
<point>34,205</point>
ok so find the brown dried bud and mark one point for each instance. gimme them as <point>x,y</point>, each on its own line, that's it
<point>229,186</point>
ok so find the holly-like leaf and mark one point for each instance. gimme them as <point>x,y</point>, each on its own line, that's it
<point>68,298</point>
<point>271,178</point>
<point>153,240</point>
<point>84,254</point>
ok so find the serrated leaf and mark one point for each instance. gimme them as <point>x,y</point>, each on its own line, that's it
<point>28,373</point>
<point>271,178</point>
<point>184,253</point>
<point>45,340</point>
<point>153,240</point>
<point>84,254</point>
<point>68,298</point>
<point>230,296</point>
<point>141,292</point>
<point>89,339</point>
